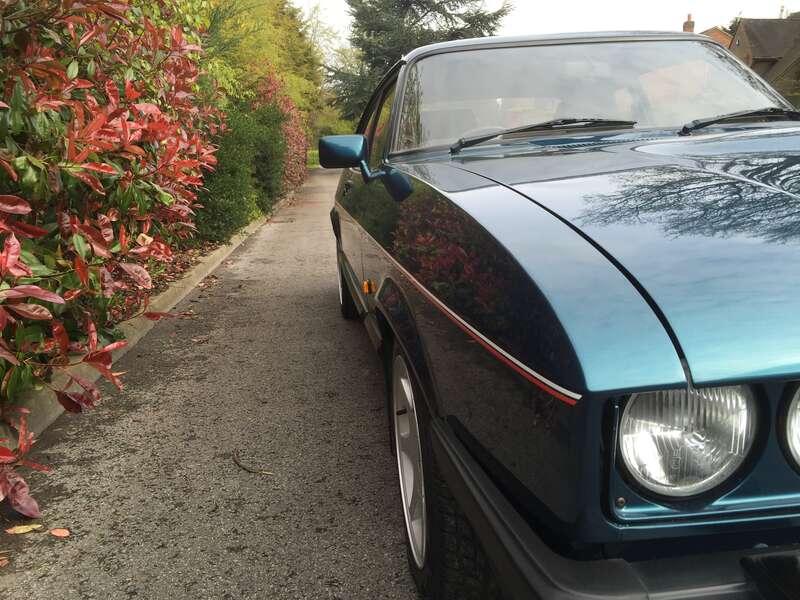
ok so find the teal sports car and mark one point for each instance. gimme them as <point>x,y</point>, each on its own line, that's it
<point>578,258</point>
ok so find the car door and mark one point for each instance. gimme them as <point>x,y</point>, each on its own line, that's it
<point>351,196</point>
<point>379,214</point>
<point>362,201</point>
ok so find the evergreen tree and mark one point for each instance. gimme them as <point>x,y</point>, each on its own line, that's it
<point>384,30</point>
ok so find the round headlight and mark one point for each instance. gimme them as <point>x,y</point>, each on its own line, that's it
<point>682,443</point>
<point>793,427</point>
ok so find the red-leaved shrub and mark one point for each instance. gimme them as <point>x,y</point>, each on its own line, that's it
<point>270,90</point>
<point>102,147</point>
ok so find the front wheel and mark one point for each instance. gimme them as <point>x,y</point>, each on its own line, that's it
<point>445,558</point>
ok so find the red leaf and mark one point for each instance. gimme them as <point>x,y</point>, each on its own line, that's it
<point>105,371</point>
<point>113,93</point>
<point>31,291</point>
<point>27,230</point>
<point>69,403</point>
<point>9,169</point>
<point>14,205</point>
<point>139,275</point>
<point>90,387</point>
<point>9,258</point>
<point>157,316</point>
<point>35,312</point>
<point>95,239</point>
<point>90,180</point>
<point>123,237</point>
<point>91,334</point>
<point>16,491</point>
<point>100,168</point>
<point>131,93</point>
<point>9,356</point>
<point>95,126</point>
<point>148,109</point>
<point>61,337</point>
<point>4,318</point>
<point>72,294</point>
<point>106,230</point>
<point>115,346</point>
<point>81,270</point>
<point>7,456</point>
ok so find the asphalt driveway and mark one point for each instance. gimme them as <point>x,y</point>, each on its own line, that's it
<point>247,456</point>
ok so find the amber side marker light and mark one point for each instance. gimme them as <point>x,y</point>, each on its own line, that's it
<point>367,286</point>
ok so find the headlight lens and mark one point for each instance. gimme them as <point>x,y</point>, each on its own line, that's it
<point>682,443</point>
<point>793,427</point>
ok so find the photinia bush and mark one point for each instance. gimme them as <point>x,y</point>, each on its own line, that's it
<point>270,91</point>
<point>103,144</point>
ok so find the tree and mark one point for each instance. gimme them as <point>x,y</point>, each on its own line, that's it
<point>384,30</point>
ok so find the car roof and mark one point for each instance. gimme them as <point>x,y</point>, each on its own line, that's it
<point>558,38</point>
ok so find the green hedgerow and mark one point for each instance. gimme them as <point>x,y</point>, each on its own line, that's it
<point>249,179</point>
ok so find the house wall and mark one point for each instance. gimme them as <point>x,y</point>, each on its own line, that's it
<point>741,46</point>
<point>718,36</point>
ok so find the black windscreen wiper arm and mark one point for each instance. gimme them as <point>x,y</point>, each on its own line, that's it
<point>771,111</point>
<point>554,124</point>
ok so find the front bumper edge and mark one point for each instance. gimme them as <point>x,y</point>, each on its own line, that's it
<point>528,569</point>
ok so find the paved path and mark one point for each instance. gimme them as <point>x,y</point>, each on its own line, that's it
<point>147,482</point>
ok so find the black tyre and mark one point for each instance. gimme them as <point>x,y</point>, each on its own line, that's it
<point>444,555</point>
<point>346,302</point>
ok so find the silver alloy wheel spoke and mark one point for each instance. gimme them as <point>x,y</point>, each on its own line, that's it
<point>339,279</point>
<point>409,459</point>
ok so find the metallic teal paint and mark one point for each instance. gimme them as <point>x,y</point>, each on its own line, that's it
<point>342,151</point>
<point>709,228</point>
<point>619,342</point>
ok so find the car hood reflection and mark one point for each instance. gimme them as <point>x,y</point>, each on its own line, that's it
<point>708,227</point>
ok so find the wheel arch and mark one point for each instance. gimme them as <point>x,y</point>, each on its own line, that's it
<point>397,323</point>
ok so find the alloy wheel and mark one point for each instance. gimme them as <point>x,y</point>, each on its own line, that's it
<point>409,459</point>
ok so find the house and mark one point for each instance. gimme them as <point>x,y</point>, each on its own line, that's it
<point>771,47</point>
<point>763,43</point>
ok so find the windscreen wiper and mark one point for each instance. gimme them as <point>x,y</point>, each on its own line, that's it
<point>771,111</point>
<point>554,124</point>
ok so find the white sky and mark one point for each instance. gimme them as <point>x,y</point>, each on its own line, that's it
<point>558,16</point>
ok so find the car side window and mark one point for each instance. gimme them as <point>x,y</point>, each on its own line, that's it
<point>379,132</point>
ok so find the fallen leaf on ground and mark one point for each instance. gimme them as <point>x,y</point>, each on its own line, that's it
<point>17,529</point>
<point>60,532</point>
<point>4,560</point>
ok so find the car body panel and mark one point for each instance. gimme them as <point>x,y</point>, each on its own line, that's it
<point>709,228</point>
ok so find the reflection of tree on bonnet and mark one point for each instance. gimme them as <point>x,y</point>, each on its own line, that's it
<point>717,201</point>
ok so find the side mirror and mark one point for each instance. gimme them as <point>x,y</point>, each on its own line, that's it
<point>345,152</point>
<point>342,151</point>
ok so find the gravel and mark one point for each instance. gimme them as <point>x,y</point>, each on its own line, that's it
<point>247,456</point>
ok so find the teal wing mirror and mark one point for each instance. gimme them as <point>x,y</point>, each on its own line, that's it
<point>351,151</point>
<point>345,152</point>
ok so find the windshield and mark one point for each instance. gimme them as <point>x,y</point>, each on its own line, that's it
<point>655,83</point>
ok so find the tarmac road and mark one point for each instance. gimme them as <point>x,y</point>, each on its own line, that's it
<point>266,372</point>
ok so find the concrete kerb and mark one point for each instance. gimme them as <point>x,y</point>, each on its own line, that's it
<point>45,409</point>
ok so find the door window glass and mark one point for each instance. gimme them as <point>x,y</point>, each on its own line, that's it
<point>380,129</point>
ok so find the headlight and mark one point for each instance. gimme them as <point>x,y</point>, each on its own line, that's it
<point>681,443</point>
<point>793,427</point>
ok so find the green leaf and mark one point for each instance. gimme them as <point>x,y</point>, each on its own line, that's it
<point>91,68</point>
<point>72,69</point>
<point>18,98</point>
<point>81,247</point>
